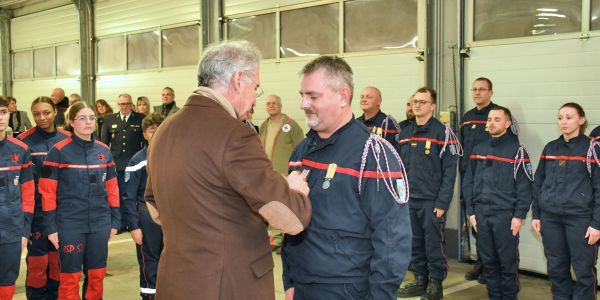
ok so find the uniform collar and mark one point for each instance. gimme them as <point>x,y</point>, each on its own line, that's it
<point>499,140</point>
<point>424,127</point>
<point>314,136</point>
<point>81,142</point>
<point>44,133</point>
<point>484,110</point>
<point>363,118</point>
<point>574,140</point>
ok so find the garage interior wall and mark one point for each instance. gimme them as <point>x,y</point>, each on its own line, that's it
<point>38,32</point>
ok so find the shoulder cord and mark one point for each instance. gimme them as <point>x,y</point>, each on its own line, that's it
<point>384,124</point>
<point>451,138</point>
<point>520,160</point>
<point>376,145</point>
<point>514,126</point>
<point>592,156</point>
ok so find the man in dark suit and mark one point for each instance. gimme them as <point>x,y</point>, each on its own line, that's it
<point>122,132</point>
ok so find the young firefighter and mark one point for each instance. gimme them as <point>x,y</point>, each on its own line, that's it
<point>16,204</point>
<point>497,193</point>
<point>43,269</point>
<point>80,200</point>
<point>146,234</point>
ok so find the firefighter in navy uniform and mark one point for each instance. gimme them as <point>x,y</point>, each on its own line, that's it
<point>358,243</point>
<point>16,203</point>
<point>43,271</point>
<point>122,132</point>
<point>497,193</point>
<point>429,150</point>
<point>566,207</point>
<point>146,234</point>
<point>80,200</point>
<point>379,123</point>
<point>473,131</point>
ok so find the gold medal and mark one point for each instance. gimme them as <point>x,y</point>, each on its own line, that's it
<point>427,152</point>
<point>379,131</point>
<point>329,175</point>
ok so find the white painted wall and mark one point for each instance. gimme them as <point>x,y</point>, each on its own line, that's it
<point>49,27</point>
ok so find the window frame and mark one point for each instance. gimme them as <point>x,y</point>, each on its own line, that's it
<point>32,49</point>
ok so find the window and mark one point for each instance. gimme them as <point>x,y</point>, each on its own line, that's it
<point>516,18</point>
<point>259,30</point>
<point>43,62</point>
<point>111,54</point>
<point>142,50</point>
<point>23,64</point>
<point>180,46</point>
<point>395,26</point>
<point>310,31</point>
<point>68,60</point>
<point>595,15</point>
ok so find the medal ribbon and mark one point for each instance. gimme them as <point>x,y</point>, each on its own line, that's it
<point>384,124</point>
<point>452,139</point>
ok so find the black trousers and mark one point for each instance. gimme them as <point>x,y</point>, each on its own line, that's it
<point>499,251</point>
<point>565,246</point>
<point>428,255</point>
<point>121,184</point>
<point>10,262</point>
<point>148,253</point>
<point>43,268</point>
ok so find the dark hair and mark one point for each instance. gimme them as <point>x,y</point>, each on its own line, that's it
<point>170,90</point>
<point>43,99</point>
<point>154,118</point>
<point>4,101</point>
<point>489,82</point>
<point>506,111</point>
<point>103,102</point>
<point>11,99</point>
<point>337,70</point>
<point>431,92</point>
<point>580,112</point>
<point>73,110</point>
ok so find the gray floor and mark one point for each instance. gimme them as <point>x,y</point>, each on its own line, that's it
<point>122,280</point>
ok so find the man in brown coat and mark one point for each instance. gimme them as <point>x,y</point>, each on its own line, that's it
<point>213,189</point>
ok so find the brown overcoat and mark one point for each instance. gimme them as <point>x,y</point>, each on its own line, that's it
<point>208,176</point>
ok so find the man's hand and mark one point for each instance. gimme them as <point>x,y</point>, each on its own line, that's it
<point>298,183</point>
<point>136,236</point>
<point>473,222</point>
<point>24,242</point>
<point>515,225</point>
<point>536,225</point>
<point>439,212</point>
<point>53,238</point>
<point>289,294</point>
<point>592,235</point>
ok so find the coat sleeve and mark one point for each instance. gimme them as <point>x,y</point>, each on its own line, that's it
<point>449,163</point>
<point>250,173</point>
<point>468,184</point>
<point>112,189</point>
<point>523,189</point>
<point>133,175</point>
<point>105,134</point>
<point>538,183</point>
<point>27,192</point>
<point>48,186</point>
<point>392,234</point>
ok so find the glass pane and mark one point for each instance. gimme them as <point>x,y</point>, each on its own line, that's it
<point>180,46</point>
<point>517,18</point>
<point>259,30</point>
<point>68,60</point>
<point>310,31</point>
<point>142,50</point>
<point>43,62</point>
<point>111,54</point>
<point>395,26</point>
<point>23,64</point>
<point>595,15</point>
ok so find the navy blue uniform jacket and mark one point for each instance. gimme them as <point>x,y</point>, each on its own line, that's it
<point>473,131</point>
<point>79,187</point>
<point>16,191</point>
<point>378,126</point>
<point>563,184</point>
<point>489,185</point>
<point>135,185</point>
<point>124,138</point>
<point>430,177</point>
<point>353,237</point>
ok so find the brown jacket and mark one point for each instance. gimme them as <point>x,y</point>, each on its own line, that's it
<point>209,178</point>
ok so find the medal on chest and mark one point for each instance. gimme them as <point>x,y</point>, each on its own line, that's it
<point>329,176</point>
<point>427,147</point>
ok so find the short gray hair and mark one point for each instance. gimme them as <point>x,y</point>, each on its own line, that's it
<point>220,61</point>
<point>339,73</point>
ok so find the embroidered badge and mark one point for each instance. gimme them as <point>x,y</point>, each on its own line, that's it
<point>14,157</point>
<point>101,156</point>
<point>286,128</point>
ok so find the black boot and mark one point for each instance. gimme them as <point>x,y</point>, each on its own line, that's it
<point>147,296</point>
<point>414,288</point>
<point>476,272</point>
<point>435,291</point>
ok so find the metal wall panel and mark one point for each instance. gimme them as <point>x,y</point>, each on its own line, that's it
<point>48,27</point>
<point>534,80</point>
<point>118,16</point>
<point>25,91</point>
<point>233,7</point>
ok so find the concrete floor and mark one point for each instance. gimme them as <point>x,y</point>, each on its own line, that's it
<point>122,280</point>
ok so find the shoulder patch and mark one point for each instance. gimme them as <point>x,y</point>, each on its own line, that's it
<point>65,132</point>
<point>63,143</point>
<point>101,144</point>
<point>27,133</point>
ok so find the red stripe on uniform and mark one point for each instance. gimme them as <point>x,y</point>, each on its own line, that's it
<point>39,153</point>
<point>385,130</point>
<point>295,164</point>
<point>112,188</point>
<point>562,157</point>
<point>351,172</point>
<point>472,122</point>
<point>27,196</point>
<point>72,166</point>
<point>10,168</point>
<point>420,139</point>
<point>47,189</point>
<point>498,158</point>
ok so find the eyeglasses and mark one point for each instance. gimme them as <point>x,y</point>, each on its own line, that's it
<point>257,88</point>
<point>474,90</point>
<point>420,102</point>
<point>85,118</point>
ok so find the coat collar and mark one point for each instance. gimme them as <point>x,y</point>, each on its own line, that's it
<point>215,96</point>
